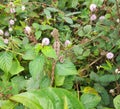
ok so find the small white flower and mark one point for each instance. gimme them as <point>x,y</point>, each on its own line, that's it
<point>118,20</point>
<point>117,71</point>
<point>6,41</point>
<point>93,7</point>
<point>12,10</point>
<point>6,33</point>
<point>27,29</point>
<point>10,29</point>
<point>109,55</point>
<point>11,22</point>
<point>111,91</point>
<point>1,32</point>
<point>101,17</point>
<point>93,17</point>
<point>45,41</point>
<point>23,8</point>
<point>67,43</point>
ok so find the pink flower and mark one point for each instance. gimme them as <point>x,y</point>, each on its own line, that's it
<point>93,7</point>
<point>67,43</point>
<point>1,32</point>
<point>12,22</point>
<point>27,29</point>
<point>45,41</point>
<point>12,10</point>
<point>6,33</point>
<point>109,55</point>
<point>101,17</point>
<point>93,17</point>
<point>6,41</point>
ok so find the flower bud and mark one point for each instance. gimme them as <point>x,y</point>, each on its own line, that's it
<point>45,41</point>
<point>27,30</point>
<point>1,32</point>
<point>67,43</point>
<point>118,20</point>
<point>101,17</point>
<point>6,33</point>
<point>111,91</point>
<point>10,29</point>
<point>23,8</point>
<point>6,41</point>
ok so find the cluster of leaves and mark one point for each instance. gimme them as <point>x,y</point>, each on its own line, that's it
<point>26,64</point>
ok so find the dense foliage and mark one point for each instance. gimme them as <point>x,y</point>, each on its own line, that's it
<point>60,54</point>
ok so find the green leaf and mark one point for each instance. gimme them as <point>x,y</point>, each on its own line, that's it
<point>38,34</point>
<point>36,26</point>
<point>6,61</point>
<point>48,98</point>
<point>68,20</point>
<point>8,104</point>
<point>103,93</point>
<point>36,66</point>
<point>66,68</point>
<point>47,13</point>
<point>73,3</point>
<point>78,50</point>
<point>18,84</point>
<point>16,68</point>
<point>29,54</point>
<point>52,9</point>
<point>108,78</point>
<point>59,80</point>
<point>48,51</point>
<point>116,102</point>
<point>87,29</point>
<point>46,27</point>
<point>90,100</point>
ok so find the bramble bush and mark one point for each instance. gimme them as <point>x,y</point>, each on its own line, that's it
<point>60,54</point>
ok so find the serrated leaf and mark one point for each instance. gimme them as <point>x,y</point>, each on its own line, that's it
<point>16,68</point>
<point>6,61</point>
<point>48,51</point>
<point>36,66</point>
<point>66,68</point>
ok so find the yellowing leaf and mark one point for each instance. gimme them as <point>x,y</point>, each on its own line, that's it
<point>90,90</point>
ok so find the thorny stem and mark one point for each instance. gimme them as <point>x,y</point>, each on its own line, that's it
<point>117,5</point>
